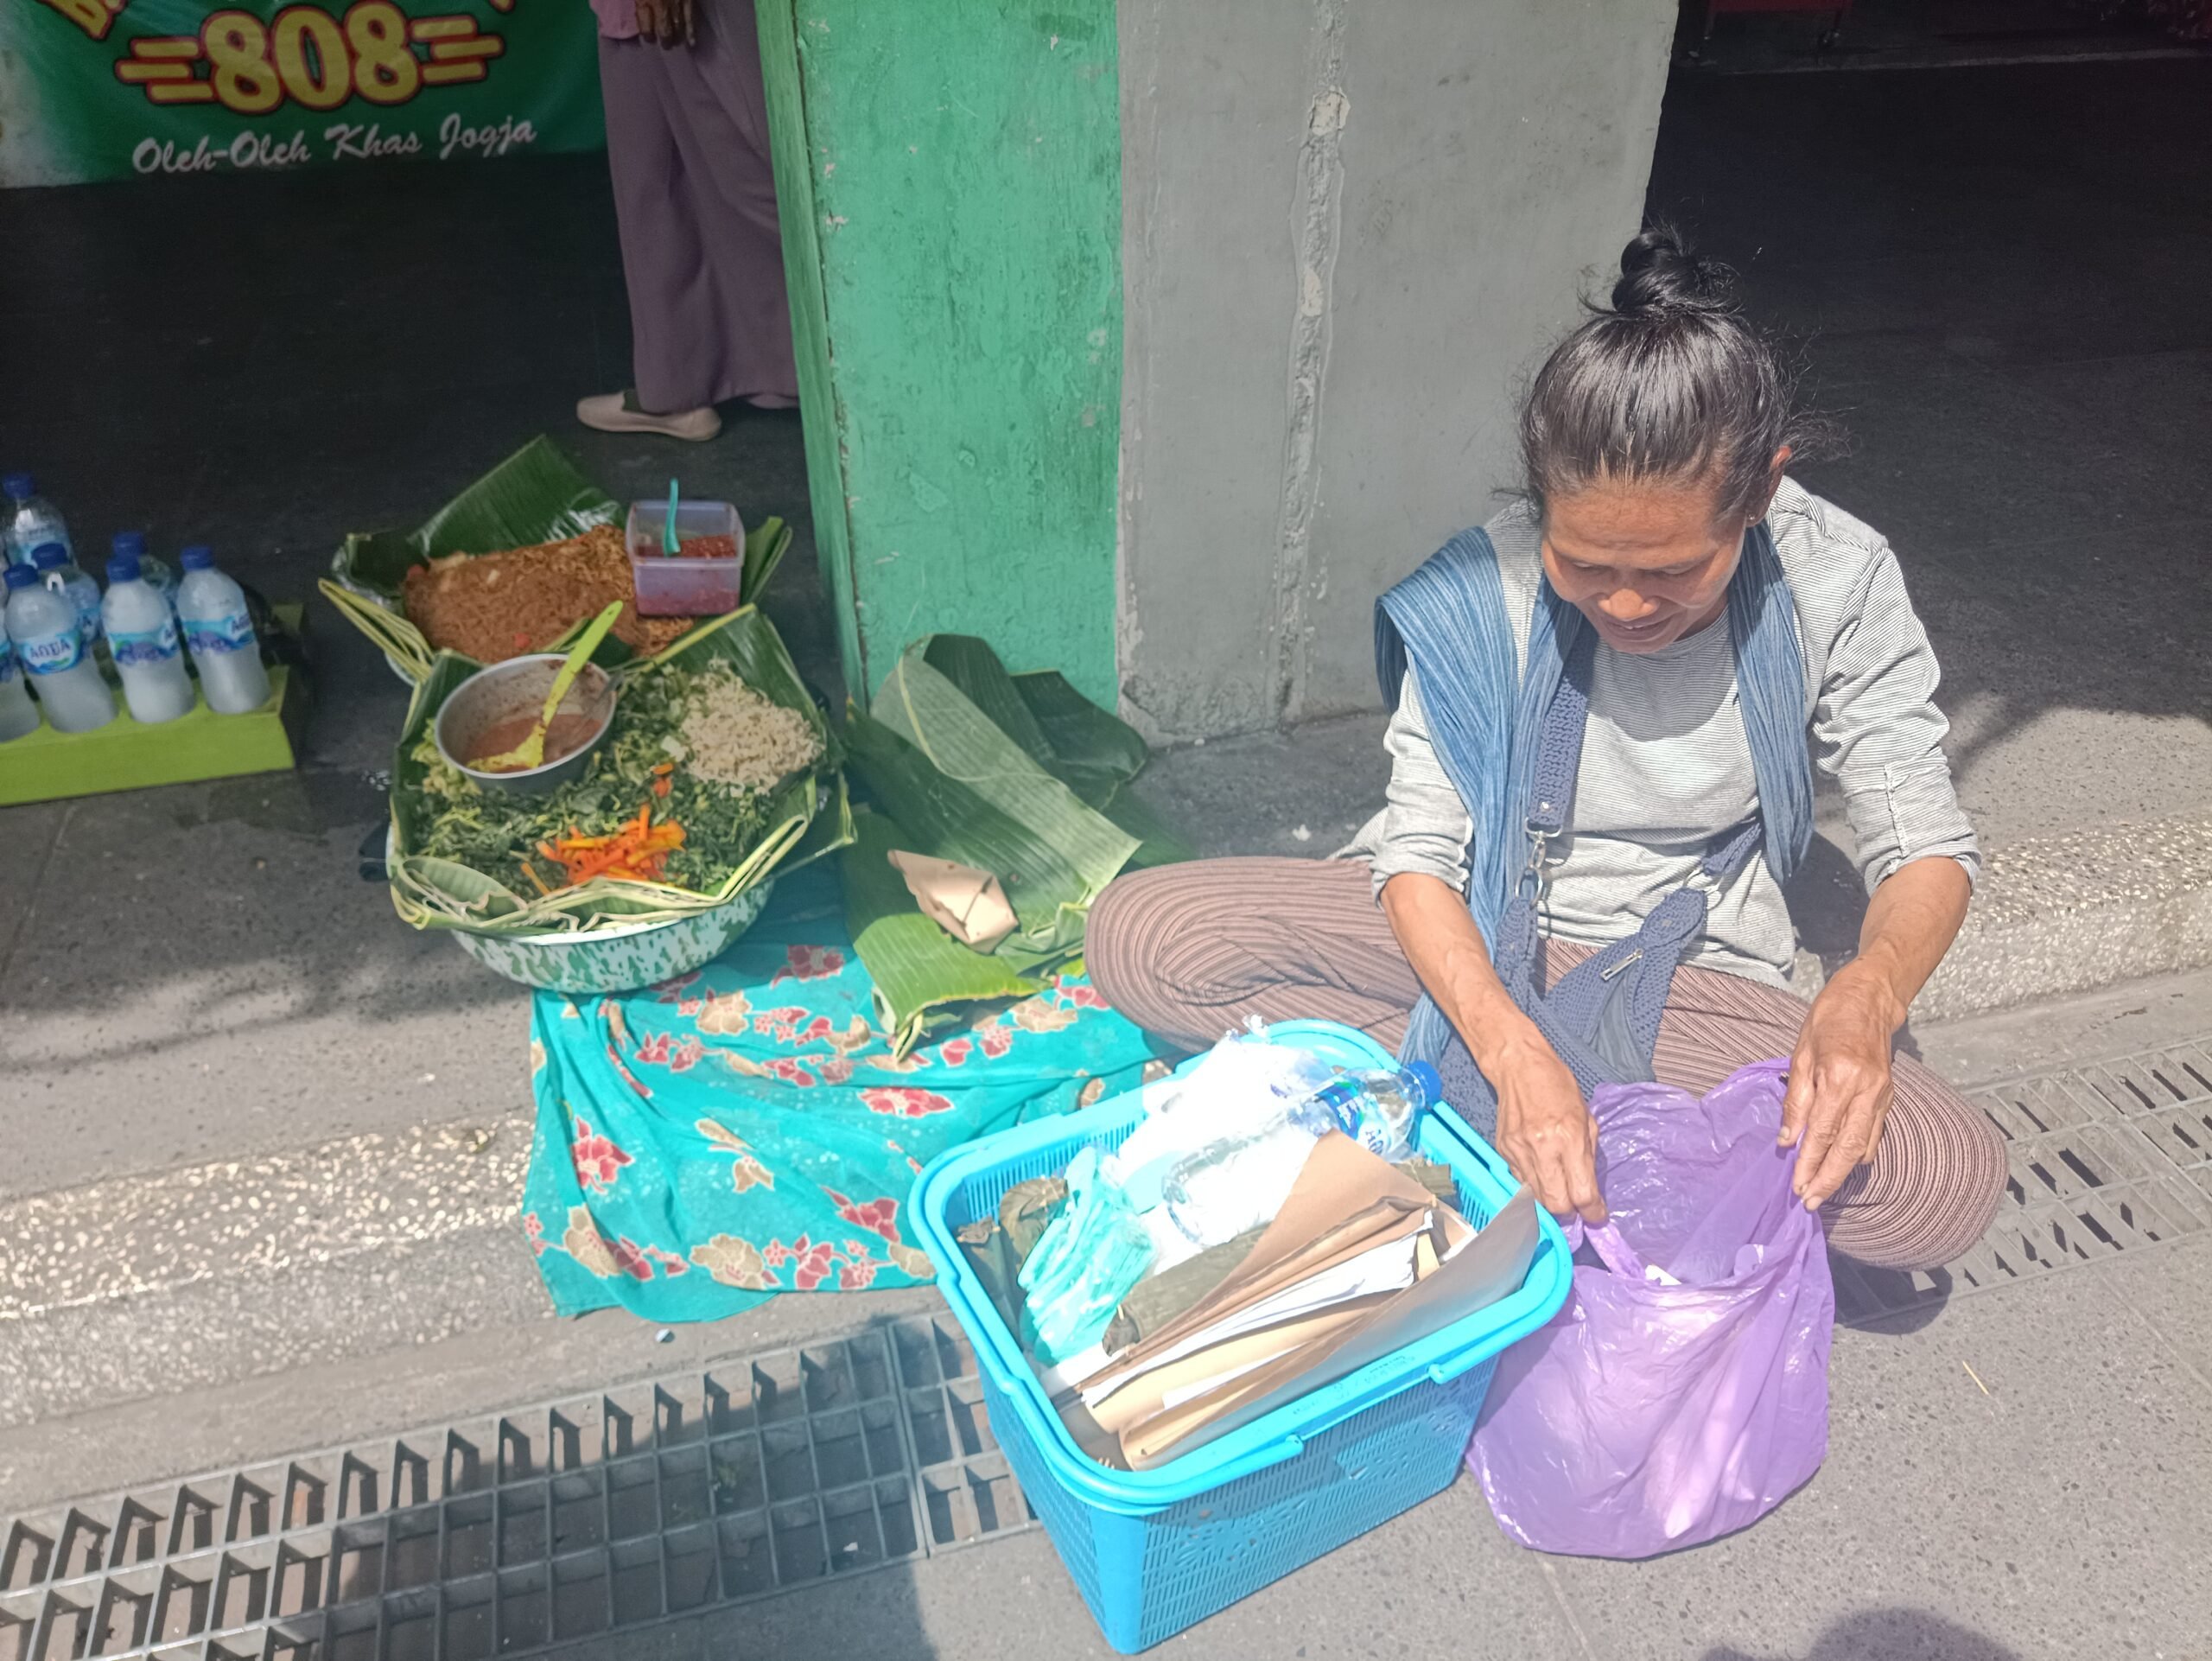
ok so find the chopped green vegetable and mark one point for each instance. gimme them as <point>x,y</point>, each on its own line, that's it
<point>496,833</point>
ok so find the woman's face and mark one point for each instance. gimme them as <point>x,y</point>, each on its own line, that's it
<point>1646,564</point>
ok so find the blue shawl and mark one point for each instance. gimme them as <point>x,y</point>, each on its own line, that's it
<point>1449,620</point>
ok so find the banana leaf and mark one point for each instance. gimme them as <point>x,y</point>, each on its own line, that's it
<point>1093,754</point>
<point>533,496</point>
<point>969,793</point>
<point>811,816</point>
<point>905,952</point>
<point>1018,775</point>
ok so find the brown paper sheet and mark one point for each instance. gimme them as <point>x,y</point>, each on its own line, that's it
<point>966,903</point>
<point>1387,1218</point>
<point>1167,1387</point>
<point>1492,1266</point>
<point>1345,1201</point>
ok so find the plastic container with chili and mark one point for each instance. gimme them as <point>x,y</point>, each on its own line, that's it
<point>704,579</point>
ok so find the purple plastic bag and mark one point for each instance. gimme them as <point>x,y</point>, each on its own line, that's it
<point>1645,1418</point>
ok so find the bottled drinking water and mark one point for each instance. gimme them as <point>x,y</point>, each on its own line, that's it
<point>142,634</point>
<point>44,626</point>
<point>1240,1181</point>
<point>18,714</point>
<point>219,632</point>
<point>66,578</point>
<point>30,521</point>
<point>157,572</point>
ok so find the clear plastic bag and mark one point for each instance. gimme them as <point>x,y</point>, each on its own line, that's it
<point>1243,1082</point>
<point>1084,1263</point>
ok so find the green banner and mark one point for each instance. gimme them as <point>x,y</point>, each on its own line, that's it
<point>107,89</point>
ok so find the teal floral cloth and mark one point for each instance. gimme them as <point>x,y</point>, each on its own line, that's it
<point>744,1130</point>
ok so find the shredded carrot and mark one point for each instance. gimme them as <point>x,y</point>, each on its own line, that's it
<point>638,852</point>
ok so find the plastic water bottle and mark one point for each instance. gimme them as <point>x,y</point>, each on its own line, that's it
<point>66,578</point>
<point>31,522</point>
<point>44,626</point>
<point>1378,1110</point>
<point>18,714</point>
<point>219,632</point>
<point>159,577</point>
<point>142,634</point>
<point>1239,1183</point>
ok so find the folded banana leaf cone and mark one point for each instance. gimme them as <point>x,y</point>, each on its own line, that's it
<point>806,816</point>
<point>1020,776</point>
<point>535,496</point>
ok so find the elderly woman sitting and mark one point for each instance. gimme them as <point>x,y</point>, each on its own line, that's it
<point>1608,704</point>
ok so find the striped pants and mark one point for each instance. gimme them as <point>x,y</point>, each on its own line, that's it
<point>1188,952</point>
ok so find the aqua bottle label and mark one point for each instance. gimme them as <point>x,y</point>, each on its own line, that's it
<point>9,669</point>
<point>219,634</point>
<point>148,645</point>
<point>52,654</point>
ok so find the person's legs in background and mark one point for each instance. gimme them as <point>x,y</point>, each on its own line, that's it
<point>686,144</point>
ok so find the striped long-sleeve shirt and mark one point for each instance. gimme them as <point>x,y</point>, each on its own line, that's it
<point>1666,769</point>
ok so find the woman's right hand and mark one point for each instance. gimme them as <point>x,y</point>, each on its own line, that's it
<point>1546,1133</point>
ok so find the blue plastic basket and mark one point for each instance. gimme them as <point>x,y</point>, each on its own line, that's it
<point>1155,1551</point>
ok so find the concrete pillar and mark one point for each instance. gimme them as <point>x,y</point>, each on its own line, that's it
<point>1151,342</point>
<point>1349,226</point>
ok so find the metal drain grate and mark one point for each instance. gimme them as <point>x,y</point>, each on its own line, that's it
<point>493,1539</point>
<point>2103,1159</point>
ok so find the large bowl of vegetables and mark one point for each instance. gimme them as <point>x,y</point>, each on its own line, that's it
<point>717,772</point>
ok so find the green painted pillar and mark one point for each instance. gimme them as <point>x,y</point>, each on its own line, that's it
<point>950,176</point>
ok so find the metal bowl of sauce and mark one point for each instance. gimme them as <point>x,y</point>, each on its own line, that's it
<point>495,709</point>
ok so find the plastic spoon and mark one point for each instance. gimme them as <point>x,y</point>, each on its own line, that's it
<point>530,751</point>
<point>668,545</point>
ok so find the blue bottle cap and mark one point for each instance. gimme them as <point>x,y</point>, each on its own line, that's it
<point>20,486</point>
<point>1426,1081</point>
<point>198,557</point>
<point>21,576</point>
<point>125,567</point>
<point>48,554</point>
<point>129,542</point>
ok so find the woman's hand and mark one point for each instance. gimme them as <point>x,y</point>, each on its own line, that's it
<point>671,22</point>
<point>1546,1132</point>
<point>1839,1087</point>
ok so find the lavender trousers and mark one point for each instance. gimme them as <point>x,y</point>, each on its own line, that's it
<point>687,142</point>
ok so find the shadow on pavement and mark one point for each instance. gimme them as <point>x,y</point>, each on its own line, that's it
<point>1891,1635</point>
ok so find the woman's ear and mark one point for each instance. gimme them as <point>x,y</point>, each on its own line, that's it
<point>1773,481</point>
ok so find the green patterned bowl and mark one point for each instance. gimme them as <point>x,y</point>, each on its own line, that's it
<point>617,959</point>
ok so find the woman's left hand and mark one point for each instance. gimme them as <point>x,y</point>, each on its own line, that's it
<point>1839,1086</point>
